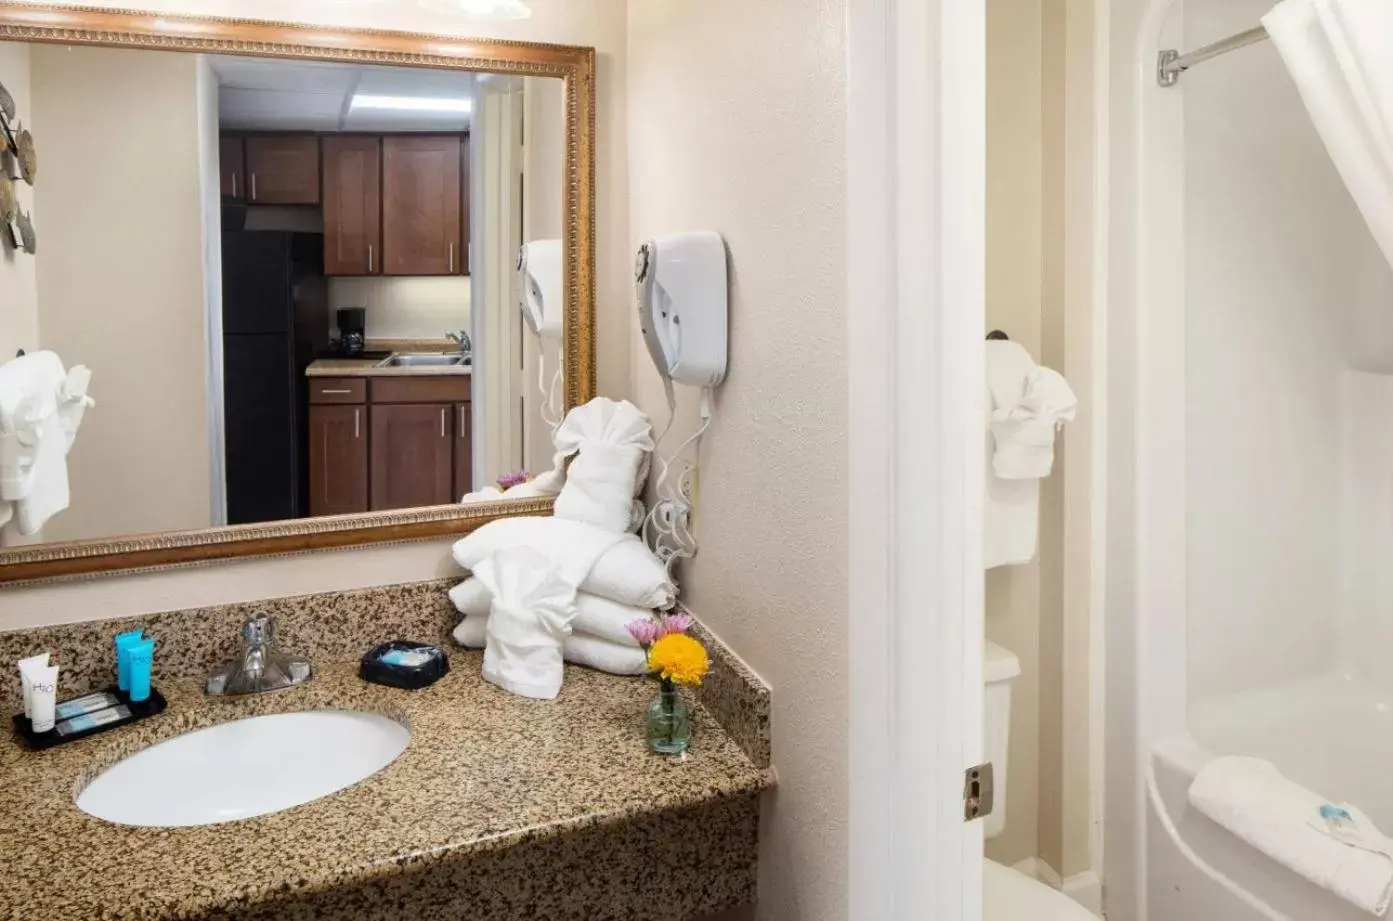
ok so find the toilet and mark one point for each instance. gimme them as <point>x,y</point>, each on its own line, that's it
<point>1007,894</point>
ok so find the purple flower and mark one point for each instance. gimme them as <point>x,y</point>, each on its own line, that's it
<point>509,480</point>
<point>646,630</point>
<point>677,623</point>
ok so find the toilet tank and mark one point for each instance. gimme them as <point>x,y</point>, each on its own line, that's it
<point>999,670</point>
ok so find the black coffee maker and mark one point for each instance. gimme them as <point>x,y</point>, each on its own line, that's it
<point>351,322</point>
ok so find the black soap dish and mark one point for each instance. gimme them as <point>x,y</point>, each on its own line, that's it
<point>404,664</point>
<point>92,722</point>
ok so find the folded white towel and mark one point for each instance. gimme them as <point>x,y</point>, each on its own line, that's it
<point>1024,434</point>
<point>29,395</point>
<point>612,439</point>
<point>49,493</point>
<point>1252,799</point>
<point>578,648</point>
<point>599,562</point>
<point>596,616</point>
<point>531,615</point>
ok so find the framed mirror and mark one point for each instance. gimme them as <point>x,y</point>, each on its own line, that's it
<point>288,257</point>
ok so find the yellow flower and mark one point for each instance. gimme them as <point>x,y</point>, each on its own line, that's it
<point>679,659</point>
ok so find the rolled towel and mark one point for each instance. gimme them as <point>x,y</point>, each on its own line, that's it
<point>578,648</point>
<point>599,562</point>
<point>612,439</point>
<point>1252,799</point>
<point>532,614</point>
<point>599,617</point>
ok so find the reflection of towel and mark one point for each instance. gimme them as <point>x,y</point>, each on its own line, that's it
<point>1251,799</point>
<point>531,614</point>
<point>600,562</point>
<point>578,648</point>
<point>41,408</point>
<point>596,616</point>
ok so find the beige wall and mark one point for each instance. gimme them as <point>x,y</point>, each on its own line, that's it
<point>405,308</point>
<point>18,270</point>
<point>123,284</point>
<point>738,125</point>
<point>596,23</point>
<point>1039,165</point>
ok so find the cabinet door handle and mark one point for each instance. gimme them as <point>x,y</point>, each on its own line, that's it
<point>369,258</point>
<point>357,430</point>
<point>462,425</point>
<point>234,185</point>
<point>329,392</point>
<point>253,186</point>
<point>443,412</point>
<point>452,257</point>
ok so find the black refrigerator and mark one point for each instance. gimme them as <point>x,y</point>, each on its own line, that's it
<point>275,321</point>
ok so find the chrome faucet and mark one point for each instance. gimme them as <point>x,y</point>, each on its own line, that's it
<point>261,666</point>
<point>466,347</point>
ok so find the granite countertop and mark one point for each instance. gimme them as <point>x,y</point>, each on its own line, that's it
<point>485,771</point>
<point>368,367</point>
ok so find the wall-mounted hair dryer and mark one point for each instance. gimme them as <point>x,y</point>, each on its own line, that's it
<point>540,288</point>
<point>683,305</point>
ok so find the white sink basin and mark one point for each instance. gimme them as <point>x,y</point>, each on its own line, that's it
<point>248,768</point>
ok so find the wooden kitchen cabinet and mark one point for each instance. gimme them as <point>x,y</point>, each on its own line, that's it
<point>413,461</point>
<point>352,205</point>
<point>338,459</point>
<point>423,205</point>
<point>282,169</point>
<point>232,167</point>
<point>464,451</point>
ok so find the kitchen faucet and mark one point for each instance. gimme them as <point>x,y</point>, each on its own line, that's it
<point>466,347</point>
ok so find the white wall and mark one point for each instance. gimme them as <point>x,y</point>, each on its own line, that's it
<point>405,308</point>
<point>19,270</point>
<point>1284,288</point>
<point>738,125</point>
<point>123,282</point>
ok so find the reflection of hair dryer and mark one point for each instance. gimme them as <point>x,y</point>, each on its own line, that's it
<point>682,306</point>
<point>542,294</point>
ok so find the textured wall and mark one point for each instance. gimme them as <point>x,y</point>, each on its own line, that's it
<point>738,125</point>
<point>597,23</point>
<point>122,278</point>
<point>18,271</point>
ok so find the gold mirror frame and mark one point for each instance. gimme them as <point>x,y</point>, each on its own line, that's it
<point>155,32</point>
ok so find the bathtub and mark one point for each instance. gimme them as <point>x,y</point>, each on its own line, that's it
<point>1197,869</point>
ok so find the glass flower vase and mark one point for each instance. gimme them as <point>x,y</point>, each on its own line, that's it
<point>669,724</point>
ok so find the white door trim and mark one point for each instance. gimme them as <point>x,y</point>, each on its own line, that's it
<point>915,324</point>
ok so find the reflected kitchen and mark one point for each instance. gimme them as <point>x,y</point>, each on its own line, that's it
<point>335,326</point>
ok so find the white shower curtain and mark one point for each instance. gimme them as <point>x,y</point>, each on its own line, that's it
<point>1340,53</point>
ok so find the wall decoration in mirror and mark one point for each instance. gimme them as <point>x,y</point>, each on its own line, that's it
<point>293,277</point>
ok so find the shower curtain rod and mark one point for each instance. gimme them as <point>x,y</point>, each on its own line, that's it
<point>1172,63</point>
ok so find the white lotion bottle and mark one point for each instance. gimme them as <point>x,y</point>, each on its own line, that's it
<point>27,668</point>
<point>44,693</point>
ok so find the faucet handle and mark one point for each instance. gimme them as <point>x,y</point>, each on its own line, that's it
<point>260,631</point>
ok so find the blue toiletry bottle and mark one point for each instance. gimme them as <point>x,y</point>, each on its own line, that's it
<point>141,656</point>
<point>123,642</point>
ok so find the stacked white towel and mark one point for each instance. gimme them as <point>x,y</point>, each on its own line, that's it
<point>1026,406</point>
<point>41,409</point>
<point>532,612</point>
<point>1252,799</point>
<point>624,582</point>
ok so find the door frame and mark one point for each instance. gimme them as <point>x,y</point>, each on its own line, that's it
<point>916,196</point>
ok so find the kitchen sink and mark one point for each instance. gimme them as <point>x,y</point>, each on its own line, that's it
<point>422,361</point>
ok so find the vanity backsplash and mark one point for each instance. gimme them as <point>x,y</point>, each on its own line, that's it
<point>333,627</point>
